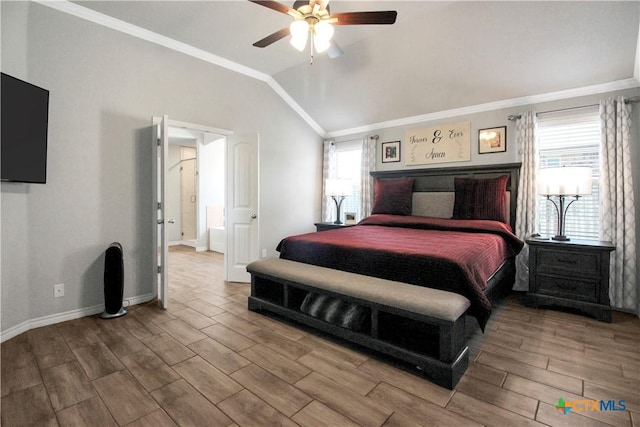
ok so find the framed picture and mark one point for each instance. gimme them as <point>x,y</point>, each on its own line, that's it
<point>390,152</point>
<point>492,140</point>
<point>350,218</point>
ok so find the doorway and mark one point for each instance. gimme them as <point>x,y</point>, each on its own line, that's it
<point>195,183</point>
<point>222,160</point>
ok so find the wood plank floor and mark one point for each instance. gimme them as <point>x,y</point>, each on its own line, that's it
<point>207,361</point>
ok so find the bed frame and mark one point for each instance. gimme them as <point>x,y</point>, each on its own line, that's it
<point>440,182</point>
<point>423,335</point>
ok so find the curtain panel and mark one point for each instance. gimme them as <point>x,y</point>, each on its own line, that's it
<point>527,194</point>
<point>366,182</point>
<point>329,170</point>
<point>617,216</point>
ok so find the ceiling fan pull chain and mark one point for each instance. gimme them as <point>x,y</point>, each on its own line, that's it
<point>311,49</point>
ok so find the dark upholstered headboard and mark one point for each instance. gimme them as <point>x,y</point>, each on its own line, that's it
<point>440,180</point>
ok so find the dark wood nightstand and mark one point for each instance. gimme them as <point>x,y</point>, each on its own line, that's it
<point>573,274</point>
<point>324,226</point>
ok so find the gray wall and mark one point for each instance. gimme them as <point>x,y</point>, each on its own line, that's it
<point>104,88</point>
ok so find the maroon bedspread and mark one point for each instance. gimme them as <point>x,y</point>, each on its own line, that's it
<point>454,255</point>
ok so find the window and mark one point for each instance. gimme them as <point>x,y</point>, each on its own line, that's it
<point>571,138</point>
<point>348,164</point>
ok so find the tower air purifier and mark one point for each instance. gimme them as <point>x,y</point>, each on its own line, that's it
<point>113,282</point>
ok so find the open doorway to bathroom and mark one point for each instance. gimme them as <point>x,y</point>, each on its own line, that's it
<point>196,190</point>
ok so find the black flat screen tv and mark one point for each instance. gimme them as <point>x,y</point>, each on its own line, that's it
<point>23,128</point>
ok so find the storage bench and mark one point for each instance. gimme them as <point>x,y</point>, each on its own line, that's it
<point>422,326</point>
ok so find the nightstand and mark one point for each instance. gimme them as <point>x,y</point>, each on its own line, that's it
<point>324,226</point>
<point>572,274</point>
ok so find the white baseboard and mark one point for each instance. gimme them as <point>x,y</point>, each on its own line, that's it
<point>63,317</point>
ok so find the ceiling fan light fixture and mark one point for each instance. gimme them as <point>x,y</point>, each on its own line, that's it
<point>321,44</point>
<point>323,30</point>
<point>299,32</point>
<point>313,17</point>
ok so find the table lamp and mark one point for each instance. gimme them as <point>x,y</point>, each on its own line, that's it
<point>562,182</point>
<point>338,189</point>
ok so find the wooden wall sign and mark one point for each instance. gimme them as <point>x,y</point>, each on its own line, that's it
<point>439,144</point>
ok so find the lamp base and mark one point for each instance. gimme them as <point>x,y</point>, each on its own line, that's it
<point>561,238</point>
<point>338,204</point>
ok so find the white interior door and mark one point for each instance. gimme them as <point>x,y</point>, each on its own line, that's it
<point>242,206</point>
<point>160,195</point>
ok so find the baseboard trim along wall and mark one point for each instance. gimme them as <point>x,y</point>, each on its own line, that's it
<point>63,317</point>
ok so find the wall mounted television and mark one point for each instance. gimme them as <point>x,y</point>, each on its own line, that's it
<point>23,128</point>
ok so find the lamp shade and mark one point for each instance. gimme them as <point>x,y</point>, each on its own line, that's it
<point>322,33</point>
<point>338,187</point>
<point>299,32</point>
<point>320,44</point>
<point>565,181</point>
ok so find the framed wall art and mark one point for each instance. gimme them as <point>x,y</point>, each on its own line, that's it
<point>439,144</point>
<point>390,152</point>
<point>492,140</point>
<point>350,218</point>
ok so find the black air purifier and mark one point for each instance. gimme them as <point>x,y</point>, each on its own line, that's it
<point>113,282</point>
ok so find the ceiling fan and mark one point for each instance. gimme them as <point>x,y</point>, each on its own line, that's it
<point>313,18</point>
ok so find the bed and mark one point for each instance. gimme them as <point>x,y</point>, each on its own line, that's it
<point>444,228</point>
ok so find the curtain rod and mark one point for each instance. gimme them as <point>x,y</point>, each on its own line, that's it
<point>626,101</point>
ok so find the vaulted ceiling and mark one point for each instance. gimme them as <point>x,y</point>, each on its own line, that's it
<point>438,56</point>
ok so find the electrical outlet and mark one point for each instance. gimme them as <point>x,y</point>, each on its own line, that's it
<point>264,253</point>
<point>58,290</point>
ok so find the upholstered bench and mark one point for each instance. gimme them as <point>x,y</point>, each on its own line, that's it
<point>422,326</point>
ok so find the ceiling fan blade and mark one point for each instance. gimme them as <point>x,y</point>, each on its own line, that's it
<point>272,38</point>
<point>278,7</point>
<point>364,18</point>
<point>334,50</point>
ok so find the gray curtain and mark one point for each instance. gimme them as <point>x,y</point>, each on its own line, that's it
<point>366,182</point>
<point>617,216</point>
<point>527,194</point>
<point>328,171</point>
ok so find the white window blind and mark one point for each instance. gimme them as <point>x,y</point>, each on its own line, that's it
<point>349,160</point>
<point>571,138</point>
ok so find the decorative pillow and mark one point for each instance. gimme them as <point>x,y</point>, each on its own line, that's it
<point>393,196</point>
<point>481,198</point>
<point>464,202</point>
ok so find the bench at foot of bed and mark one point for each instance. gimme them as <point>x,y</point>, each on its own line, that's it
<point>422,326</point>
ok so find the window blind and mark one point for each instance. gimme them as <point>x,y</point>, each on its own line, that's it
<point>571,138</point>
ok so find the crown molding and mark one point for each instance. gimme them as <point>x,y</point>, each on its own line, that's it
<point>296,107</point>
<point>90,15</point>
<point>491,106</point>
